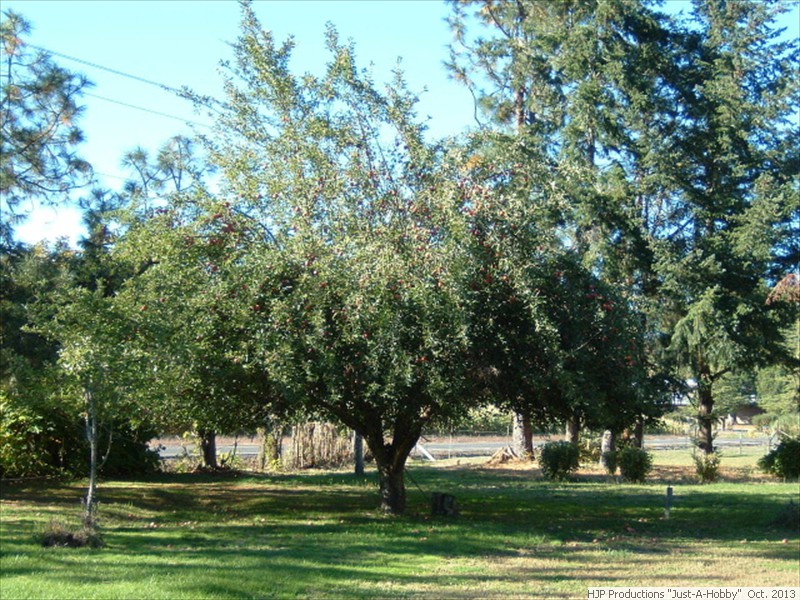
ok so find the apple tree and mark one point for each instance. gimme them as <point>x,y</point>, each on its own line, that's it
<point>349,227</point>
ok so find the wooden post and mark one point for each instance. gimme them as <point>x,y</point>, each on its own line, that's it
<point>668,506</point>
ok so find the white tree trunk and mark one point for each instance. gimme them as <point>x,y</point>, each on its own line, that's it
<point>89,511</point>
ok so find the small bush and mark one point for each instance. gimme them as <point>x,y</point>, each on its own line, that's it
<point>786,423</point>
<point>784,460</point>
<point>671,424</point>
<point>41,440</point>
<point>707,466</point>
<point>610,461</point>
<point>634,464</point>
<point>130,455</point>
<point>558,459</point>
<point>589,448</point>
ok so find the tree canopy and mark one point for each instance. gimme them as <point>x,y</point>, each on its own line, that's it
<point>614,227</point>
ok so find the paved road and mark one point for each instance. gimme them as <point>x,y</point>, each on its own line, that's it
<point>486,447</point>
<point>443,447</point>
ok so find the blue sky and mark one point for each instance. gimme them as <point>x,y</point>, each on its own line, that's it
<point>180,42</point>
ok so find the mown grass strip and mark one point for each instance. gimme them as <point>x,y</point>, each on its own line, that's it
<point>318,534</point>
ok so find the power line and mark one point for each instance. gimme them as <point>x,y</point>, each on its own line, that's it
<point>138,78</point>
<point>147,110</point>
<point>206,101</point>
<point>109,176</point>
<point>163,86</point>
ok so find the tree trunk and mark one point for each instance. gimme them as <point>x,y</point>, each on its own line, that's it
<point>608,444</point>
<point>705,420</point>
<point>390,459</point>
<point>208,446</point>
<point>358,450</point>
<point>89,512</point>
<point>272,446</point>
<point>393,488</point>
<point>519,109</point>
<point>522,436</point>
<point>262,433</point>
<point>638,433</point>
<point>270,451</point>
<point>573,431</point>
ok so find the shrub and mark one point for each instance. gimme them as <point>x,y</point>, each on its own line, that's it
<point>558,459</point>
<point>784,460</point>
<point>671,424</point>
<point>488,419</point>
<point>23,433</point>
<point>130,455</point>
<point>610,461</point>
<point>707,465</point>
<point>589,449</point>
<point>634,464</point>
<point>785,424</point>
<point>40,440</point>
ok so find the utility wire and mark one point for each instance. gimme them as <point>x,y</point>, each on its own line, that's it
<point>147,110</point>
<point>163,86</point>
<point>108,175</point>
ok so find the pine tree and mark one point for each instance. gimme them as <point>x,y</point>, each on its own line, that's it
<point>39,135</point>
<point>673,146</point>
<point>563,80</point>
<point>736,181</point>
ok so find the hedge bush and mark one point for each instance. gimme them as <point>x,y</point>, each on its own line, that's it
<point>784,460</point>
<point>634,464</point>
<point>40,440</point>
<point>558,459</point>
<point>610,461</point>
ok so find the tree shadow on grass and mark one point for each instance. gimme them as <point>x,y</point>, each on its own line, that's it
<point>490,500</point>
<point>322,560</point>
<point>321,532</point>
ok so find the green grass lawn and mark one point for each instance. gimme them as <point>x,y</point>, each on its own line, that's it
<point>318,534</point>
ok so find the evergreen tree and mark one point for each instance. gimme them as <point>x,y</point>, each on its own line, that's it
<point>569,78</point>
<point>738,91</point>
<point>674,148</point>
<point>778,385</point>
<point>37,431</point>
<point>39,135</point>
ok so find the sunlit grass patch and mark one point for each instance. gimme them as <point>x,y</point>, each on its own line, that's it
<point>320,534</point>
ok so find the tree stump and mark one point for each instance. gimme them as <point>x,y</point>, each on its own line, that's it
<point>443,505</point>
<point>504,455</point>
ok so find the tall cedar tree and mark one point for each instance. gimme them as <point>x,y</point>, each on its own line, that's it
<point>556,77</point>
<point>736,141</point>
<point>674,145</point>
